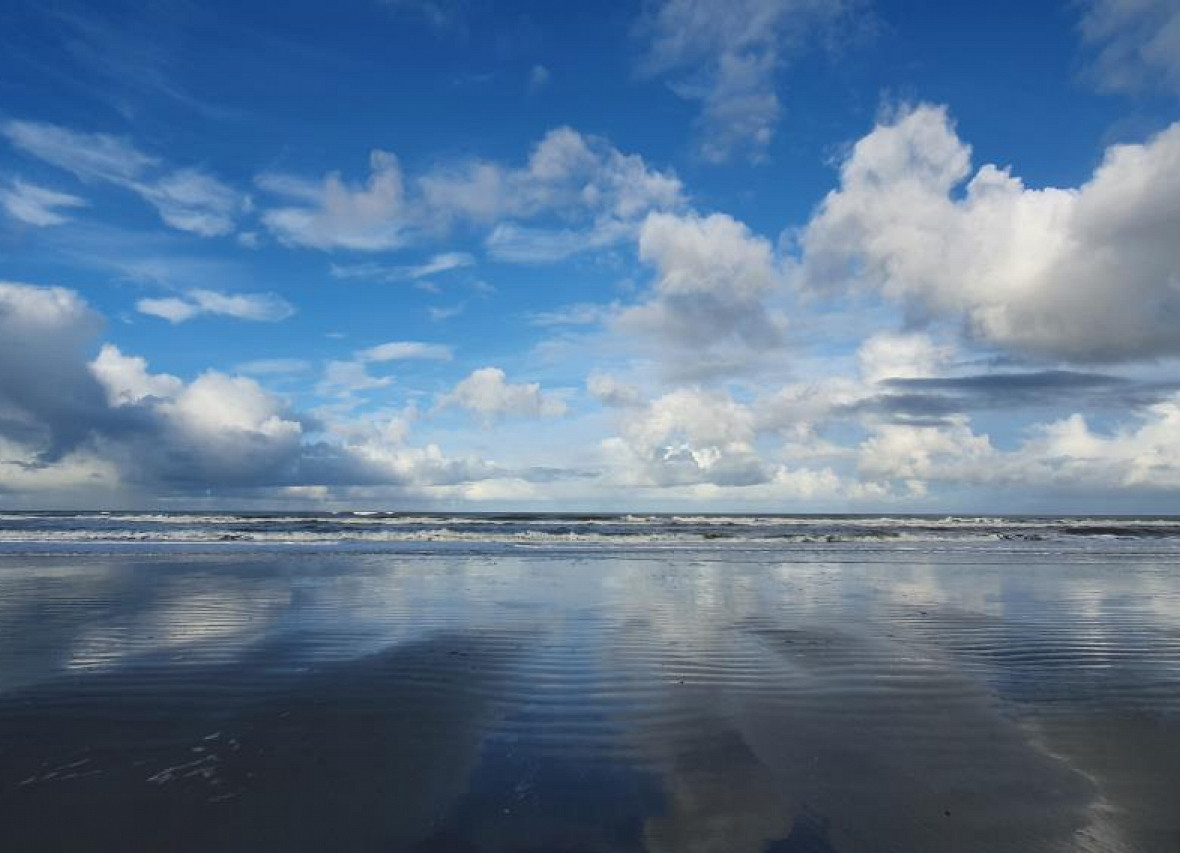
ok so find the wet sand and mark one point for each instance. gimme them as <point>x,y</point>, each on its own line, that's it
<point>605,701</point>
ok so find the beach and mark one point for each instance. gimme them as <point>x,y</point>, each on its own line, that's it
<point>579,683</point>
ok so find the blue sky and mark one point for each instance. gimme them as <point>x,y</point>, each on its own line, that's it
<point>771,255</point>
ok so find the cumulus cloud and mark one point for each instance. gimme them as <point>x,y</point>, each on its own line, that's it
<point>702,444</point>
<point>260,307</point>
<point>187,199</point>
<point>598,192</point>
<point>36,205</point>
<point>1086,273</point>
<point>1136,44</point>
<point>889,355</point>
<point>711,306</point>
<point>611,391</point>
<point>126,378</point>
<point>566,171</point>
<point>727,56</point>
<point>1144,454</point>
<point>335,214</point>
<point>49,401</point>
<point>487,393</point>
<point>68,421</point>
<point>1066,455</point>
<point>78,416</point>
<point>916,454</point>
<point>576,179</point>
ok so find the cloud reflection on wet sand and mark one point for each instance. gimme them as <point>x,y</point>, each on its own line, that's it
<point>605,703</point>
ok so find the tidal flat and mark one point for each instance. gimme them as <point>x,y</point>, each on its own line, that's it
<point>880,698</point>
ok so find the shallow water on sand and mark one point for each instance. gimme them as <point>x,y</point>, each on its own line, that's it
<point>614,700</point>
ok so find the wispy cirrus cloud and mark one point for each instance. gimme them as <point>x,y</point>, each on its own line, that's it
<point>727,57</point>
<point>1136,44</point>
<point>406,351</point>
<point>435,265</point>
<point>188,199</point>
<point>259,307</point>
<point>274,367</point>
<point>37,205</point>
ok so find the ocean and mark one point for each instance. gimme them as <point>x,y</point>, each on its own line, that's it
<point>375,530</point>
<point>588,682</point>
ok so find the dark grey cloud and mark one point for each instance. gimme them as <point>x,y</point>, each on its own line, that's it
<point>59,404</point>
<point>932,400</point>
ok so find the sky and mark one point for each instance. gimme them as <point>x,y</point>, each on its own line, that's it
<point>682,255</point>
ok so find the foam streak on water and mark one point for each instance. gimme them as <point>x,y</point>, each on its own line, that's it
<point>981,695</point>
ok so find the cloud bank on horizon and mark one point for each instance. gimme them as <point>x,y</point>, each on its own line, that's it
<point>672,254</point>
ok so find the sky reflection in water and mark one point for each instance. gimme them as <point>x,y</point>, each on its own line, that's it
<point>676,701</point>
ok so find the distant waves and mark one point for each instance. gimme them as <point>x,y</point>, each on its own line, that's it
<point>390,529</point>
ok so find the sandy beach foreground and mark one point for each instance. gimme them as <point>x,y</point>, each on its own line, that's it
<point>606,699</point>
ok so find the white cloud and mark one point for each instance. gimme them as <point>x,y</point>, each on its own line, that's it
<point>488,394</point>
<point>1064,455</point>
<point>578,178</point>
<point>194,201</point>
<point>90,156</point>
<point>799,408</point>
<point>440,263</point>
<point>685,437</point>
<point>406,350</point>
<point>729,56</point>
<point>91,428</point>
<point>126,378</point>
<point>259,307</point>
<point>1145,454</point>
<point>611,391</point>
<point>345,378</point>
<point>187,199</point>
<point>64,413</point>
<point>1086,273</point>
<point>1137,43</point>
<point>168,308</point>
<point>520,244</point>
<point>335,214</point>
<point>36,205</point>
<point>712,303</point>
<point>594,191</point>
<point>215,403</point>
<point>888,355</point>
<point>916,454</point>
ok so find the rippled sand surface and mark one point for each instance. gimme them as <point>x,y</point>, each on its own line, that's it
<point>612,700</point>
